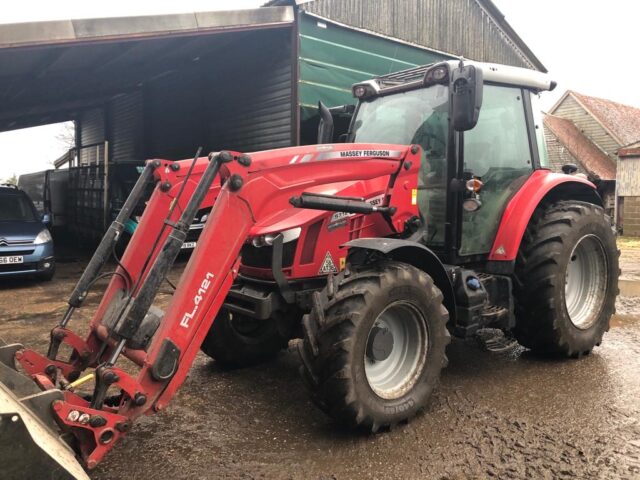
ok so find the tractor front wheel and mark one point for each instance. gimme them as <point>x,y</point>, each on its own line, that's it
<point>374,344</point>
<point>566,279</point>
<point>236,340</point>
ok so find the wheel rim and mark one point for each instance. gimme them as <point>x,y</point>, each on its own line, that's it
<point>392,370</point>
<point>586,281</point>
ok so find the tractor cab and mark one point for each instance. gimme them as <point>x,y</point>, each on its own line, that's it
<point>481,137</point>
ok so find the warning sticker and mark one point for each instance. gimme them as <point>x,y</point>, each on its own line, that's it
<point>414,196</point>
<point>343,263</point>
<point>327,265</point>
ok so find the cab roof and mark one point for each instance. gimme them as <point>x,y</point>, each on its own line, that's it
<point>492,72</point>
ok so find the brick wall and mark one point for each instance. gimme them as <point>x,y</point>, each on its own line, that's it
<point>631,216</point>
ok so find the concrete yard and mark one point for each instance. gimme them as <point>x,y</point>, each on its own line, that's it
<point>512,415</point>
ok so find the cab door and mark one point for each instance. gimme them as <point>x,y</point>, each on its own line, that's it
<point>498,151</point>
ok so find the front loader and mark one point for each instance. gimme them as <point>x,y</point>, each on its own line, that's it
<point>435,217</point>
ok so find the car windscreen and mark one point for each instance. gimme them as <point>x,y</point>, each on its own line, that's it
<point>16,208</point>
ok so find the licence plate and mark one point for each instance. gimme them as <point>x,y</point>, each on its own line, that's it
<point>11,260</point>
<point>189,245</point>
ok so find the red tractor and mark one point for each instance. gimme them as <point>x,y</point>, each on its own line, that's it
<point>435,216</point>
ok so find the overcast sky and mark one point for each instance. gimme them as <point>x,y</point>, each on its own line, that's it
<point>587,46</point>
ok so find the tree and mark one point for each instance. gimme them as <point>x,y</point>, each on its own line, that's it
<point>67,135</point>
<point>12,180</point>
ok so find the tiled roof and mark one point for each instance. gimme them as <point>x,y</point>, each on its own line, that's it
<point>594,160</point>
<point>623,121</point>
<point>631,150</point>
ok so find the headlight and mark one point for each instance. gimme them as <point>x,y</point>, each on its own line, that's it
<point>287,236</point>
<point>258,241</point>
<point>43,237</point>
<point>365,89</point>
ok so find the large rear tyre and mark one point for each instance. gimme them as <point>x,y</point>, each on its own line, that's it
<point>236,340</point>
<point>374,344</point>
<point>566,279</point>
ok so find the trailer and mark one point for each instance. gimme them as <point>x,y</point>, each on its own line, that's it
<point>48,191</point>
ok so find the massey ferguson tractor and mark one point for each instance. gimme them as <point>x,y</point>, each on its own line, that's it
<point>435,216</point>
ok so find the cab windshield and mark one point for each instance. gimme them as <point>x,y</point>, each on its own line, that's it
<point>414,117</point>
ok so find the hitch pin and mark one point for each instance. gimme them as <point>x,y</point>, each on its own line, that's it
<point>80,381</point>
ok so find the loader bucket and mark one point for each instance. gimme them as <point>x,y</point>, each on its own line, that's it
<point>30,443</point>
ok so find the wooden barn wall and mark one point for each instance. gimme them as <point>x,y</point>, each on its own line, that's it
<point>458,27</point>
<point>628,174</point>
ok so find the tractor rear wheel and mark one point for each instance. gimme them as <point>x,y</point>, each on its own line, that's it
<point>236,340</point>
<point>566,279</point>
<point>374,344</point>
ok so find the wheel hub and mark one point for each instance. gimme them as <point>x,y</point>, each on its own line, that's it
<point>586,281</point>
<point>380,344</point>
<point>396,350</point>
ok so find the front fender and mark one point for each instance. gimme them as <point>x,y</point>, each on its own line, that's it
<point>414,254</point>
<point>542,185</point>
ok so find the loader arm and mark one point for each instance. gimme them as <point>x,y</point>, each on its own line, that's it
<point>245,191</point>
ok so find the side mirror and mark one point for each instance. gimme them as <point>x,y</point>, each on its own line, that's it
<point>46,218</point>
<point>325,129</point>
<point>466,97</point>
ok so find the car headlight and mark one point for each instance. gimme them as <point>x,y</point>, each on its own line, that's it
<point>287,236</point>
<point>43,237</point>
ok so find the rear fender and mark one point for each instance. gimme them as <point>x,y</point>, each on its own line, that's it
<point>541,187</point>
<point>414,254</point>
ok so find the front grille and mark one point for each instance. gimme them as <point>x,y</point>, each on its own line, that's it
<point>261,257</point>
<point>11,243</point>
<point>17,267</point>
<point>17,252</point>
<point>193,235</point>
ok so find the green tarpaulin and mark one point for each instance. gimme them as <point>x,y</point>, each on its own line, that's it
<point>332,58</point>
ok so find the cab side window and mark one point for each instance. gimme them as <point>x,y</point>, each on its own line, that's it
<point>500,139</point>
<point>498,152</point>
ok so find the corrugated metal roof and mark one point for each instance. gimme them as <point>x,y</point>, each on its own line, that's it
<point>622,121</point>
<point>97,29</point>
<point>594,160</point>
<point>51,71</point>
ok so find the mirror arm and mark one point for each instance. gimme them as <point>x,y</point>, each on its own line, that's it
<point>325,128</point>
